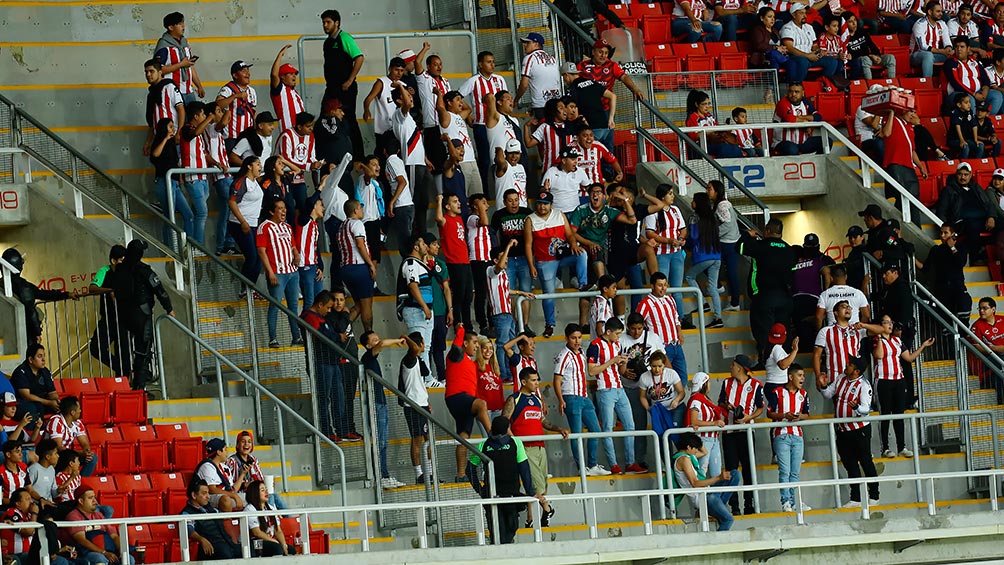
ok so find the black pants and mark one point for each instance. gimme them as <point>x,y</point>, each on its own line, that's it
<point>272,549</point>
<point>245,241</point>
<point>141,331</point>
<point>435,149</point>
<point>854,448</point>
<point>908,334</point>
<point>508,521</point>
<point>420,183</point>
<point>348,100</point>
<point>803,317</point>
<point>735,450</point>
<point>969,236</point>
<point>108,335</point>
<point>438,351</point>
<point>462,287</point>
<point>331,227</point>
<point>767,308</point>
<point>479,273</point>
<point>893,399</point>
<point>222,549</point>
<point>907,178</point>
<point>350,382</point>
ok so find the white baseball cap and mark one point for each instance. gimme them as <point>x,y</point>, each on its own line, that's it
<point>796,7</point>
<point>964,165</point>
<point>998,173</point>
<point>513,146</point>
<point>697,383</point>
<point>875,88</point>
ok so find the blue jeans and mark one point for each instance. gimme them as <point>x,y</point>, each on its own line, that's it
<point>925,60</point>
<point>309,285</point>
<point>274,500</point>
<point>611,401</point>
<point>383,431</point>
<point>328,384</point>
<point>813,145</point>
<point>287,288</point>
<point>731,257</point>
<point>733,22</point>
<point>718,503</point>
<point>711,463</point>
<point>901,25</point>
<point>671,265</point>
<point>580,412</point>
<point>245,241</point>
<point>710,268</point>
<point>87,467</point>
<point>797,68</point>
<point>198,191</point>
<point>831,65</point>
<point>678,361</point>
<point>415,321</point>
<point>223,238</point>
<point>788,449</point>
<point>967,148</point>
<point>994,101</point>
<point>519,274</point>
<point>505,329</point>
<point>605,136</point>
<point>180,206</point>
<point>711,31</point>
<point>547,271</point>
<point>634,280</point>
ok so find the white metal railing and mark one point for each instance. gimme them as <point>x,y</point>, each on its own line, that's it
<point>78,332</point>
<point>170,212</point>
<point>8,275</point>
<point>748,429</point>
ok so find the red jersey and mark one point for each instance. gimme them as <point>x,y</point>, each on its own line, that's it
<point>600,351</point>
<point>783,401</point>
<point>993,333</point>
<point>277,241</point>
<point>461,375</point>
<point>287,104</point>
<point>14,542</point>
<point>193,152</point>
<point>528,417</point>
<point>490,388</point>
<point>889,367</point>
<point>661,317</point>
<point>306,243</point>
<point>453,239</point>
<point>748,396</point>
<point>900,145</point>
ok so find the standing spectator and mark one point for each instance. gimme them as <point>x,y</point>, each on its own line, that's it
<point>175,54</point>
<point>688,472</point>
<point>340,319</point>
<point>501,126</point>
<point>357,267</point>
<point>385,107</point>
<point>605,362</point>
<point>490,384</point>
<point>566,181</point>
<point>479,245</point>
<point>240,97</point>
<point>95,544</point>
<point>499,303</point>
<point>660,393</point>
<point>852,398</point>
<point>549,135</point>
<point>837,292</point>
<point>900,159</point>
<point>626,250</point>
<point>799,38</point>
<point>442,309</point>
<point>218,156</point>
<point>794,108</point>
<point>108,331</point>
<point>510,175</point>
<point>720,144</point>
<point>742,400</point>
<point>735,15</point>
<point>223,491</point>
<point>591,224</point>
<point>453,235</point>
<point>663,319</point>
<point>414,291</point>
<point>369,193</point>
<point>969,208</point>
<point>779,360</point>
<point>280,258</point>
<point>594,157</point>
<point>704,243</point>
<point>307,233</point>
<point>929,40</point>
<point>213,539</point>
<point>863,52</point>
<point>549,244</point>
<point>478,87</point>
<point>703,413</point>
<point>461,392</point>
<point>400,219</point>
<point>770,281</point>
<point>668,230</point>
<point>373,345</point>
<point>286,101</point>
<point>194,154</point>
<point>899,16</point>
<point>453,115</point>
<point>692,17</point>
<point>509,224</point>
<point>411,381</point>
<point>539,75</point>
<point>67,429</point>
<point>596,102</point>
<point>342,62</point>
<point>966,75</point>
<point>327,369</point>
<point>415,167</point>
<point>989,329</point>
<point>245,203</point>
<point>600,68</point>
<point>32,380</point>
<point>163,101</point>
<point>638,344</point>
<point>840,341</point>
<point>331,134</point>
<point>164,156</point>
<point>789,403</point>
<point>944,267</point>
<point>813,272</point>
<point>265,528</point>
<point>728,236</point>
<point>432,83</point>
<point>298,150</point>
<point>521,358</point>
<point>570,386</point>
<point>256,141</point>
<point>601,307</point>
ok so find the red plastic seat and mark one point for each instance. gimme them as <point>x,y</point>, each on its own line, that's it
<point>656,29</point>
<point>173,487</point>
<point>886,41</point>
<point>109,495</point>
<point>152,453</point>
<point>99,435</point>
<point>95,408</point>
<point>697,61</point>
<point>928,190</point>
<point>941,168</point>
<point>141,536</point>
<point>656,51</point>
<point>73,387</point>
<point>112,384</point>
<point>984,165</point>
<point>645,10</point>
<point>186,451</point>
<point>620,9</point>
<point>146,501</point>
<point>832,106</point>
<point>928,102</point>
<point>120,455</point>
<point>936,126</point>
<point>666,65</point>
<point>129,407</point>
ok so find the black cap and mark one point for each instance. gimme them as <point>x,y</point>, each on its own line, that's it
<point>855,231</point>
<point>871,210</point>
<point>982,106</point>
<point>889,267</point>
<point>264,118</point>
<point>744,361</point>
<point>810,240</point>
<point>568,153</point>
<point>429,238</point>
<point>860,362</point>
<point>894,224</point>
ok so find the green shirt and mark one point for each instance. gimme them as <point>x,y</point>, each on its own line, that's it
<point>99,277</point>
<point>520,452</point>
<point>440,275</point>
<point>593,225</point>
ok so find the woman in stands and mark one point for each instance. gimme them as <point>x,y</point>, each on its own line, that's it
<point>765,43</point>
<point>274,188</point>
<point>704,242</point>
<point>490,387</point>
<point>721,144</point>
<point>242,458</point>
<point>245,204</point>
<point>265,528</point>
<point>728,236</point>
<point>164,156</point>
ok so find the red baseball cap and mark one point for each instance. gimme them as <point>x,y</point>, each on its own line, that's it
<point>286,68</point>
<point>778,334</point>
<point>602,43</point>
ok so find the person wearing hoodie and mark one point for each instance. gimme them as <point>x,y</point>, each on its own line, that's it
<point>137,312</point>
<point>27,293</point>
<point>177,60</point>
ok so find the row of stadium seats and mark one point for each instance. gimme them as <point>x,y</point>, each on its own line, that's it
<point>106,401</point>
<point>130,448</point>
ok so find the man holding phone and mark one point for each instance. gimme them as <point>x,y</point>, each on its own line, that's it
<point>175,56</point>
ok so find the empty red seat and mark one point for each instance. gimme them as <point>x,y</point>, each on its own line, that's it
<point>146,501</point>
<point>109,495</point>
<point>112,384</point>
<point>666,65</point>
<point>99,435</point>
<point>645,10</point>
<point>621,10</point>
<point>73,387</point>
<point>653,52</point>
<point>141,536</point>
<point>928,190</point>
<point>152,453</point>
<point>120,455</point>
<point>129,407</point>
<point>832,106</point>
<point>928,102</point>
<point>186,451</point>
<point>984,165</point>
<point>656,29</point>
<point>886,41</point>
<point>174,489</point>
<point>936,126</point>
<point>697,62</point>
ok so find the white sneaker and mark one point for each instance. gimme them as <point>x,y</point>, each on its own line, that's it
<point>852,504</point>
<point>731,308</point>
<point>597,471</point>
<point>888,453</point>
<point>905,453</point>
<point>873,502</point>
<point>787,507</point>
<point>435,384</point>
<point>806,507</point>
<point>390,482</point>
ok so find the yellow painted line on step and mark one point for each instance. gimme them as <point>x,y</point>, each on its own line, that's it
<point>187,419</point>
<point>332,525</point>
<point>279,380</point>
<point>310,493</point>
<point>222,334</point>
<point>209,320</point>
<point>355,541</point>
<point>182,401</point>
<point>946,363</point>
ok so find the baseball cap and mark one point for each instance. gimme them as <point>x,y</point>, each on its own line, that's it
<point>998,173</point>
<point>889,267</point>
<point>744,361</point>
<point>860,362</point>
<point>796,7</point>
<point>810,240</point>
<point>982,106</point>
<point>429,238</point>
<point>871,210</point>
<point>568,153</point>
<point>698,381</point>
<point>778,334</point>
<point>545,198</point>
<point>9,399</point>
<point>874,88</point>
<point>513,146</point>
<point>569,68</point>
<point>894,224</point>
<point>264,118</point>
<point>332,105</point>
<point>534,37</point>
<point>855,231</point>
<point>286,68</point>
<point>602,43</point>
<point>214,445</point>
<point>238,65</point>
<point>964,165</point>
<point>408,55</point>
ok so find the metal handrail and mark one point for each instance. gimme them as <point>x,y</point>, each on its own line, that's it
<point>987,356</point>
<point>830,422</point>
<point>517,308</point>
<point>8,271</point>
<point>170,193</point>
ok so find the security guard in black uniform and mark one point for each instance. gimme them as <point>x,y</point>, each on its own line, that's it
<point>27,293</point>
<point>143,285</point>
<point>771,264</point>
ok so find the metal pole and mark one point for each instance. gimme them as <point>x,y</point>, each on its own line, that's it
<point>223,407</point>
<point>282,451</point>
<point>752,456</point>
<point>916,456</point>
<point>314,371</point>
<point>658,476</point>
<point>253,336</point>
<point>369,438</point>
<point>87,324</point>
<point>833,464</point>
<point>434,479</point>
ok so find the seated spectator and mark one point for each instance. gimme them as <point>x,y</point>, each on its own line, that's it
<point>59,554</point>
<point>43,473</point>
<point>995,71</point>
<point>67,476</point>
<point>265,528</point>
<point>985,133</point>
<point>966,205</point>
<point>898,16</point>
<point>22,509</point>
<point>12,427</point>
<point>223,495</point>
<point>863,52</point>
<point>794,108</point>
<point>766,50</point>
<point>214,541</point>
<point>929,40</point>
<point>687,473</point>
<point>241,462</point>
<point>832,45</point>
<point>95,544</point>
<point>962,128</point>
<point>965,74</point>
<point>963,26</point>
<point>33,383</point>
<point>692,21</point>
<point>720,144</point>
<point>924,145</point>
<point>747,139</point>
<point>993,30</point>
<point>734,15</point>
<point>866,127</point>
<point>14,473</point>
<point>66,427</point>
<point>803,49</point>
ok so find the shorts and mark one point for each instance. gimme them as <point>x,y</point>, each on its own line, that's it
<point>599,256</point>
<point>460,406</point>
<point>358,281</point>
<point>418,426</point>
<point>537,456</point>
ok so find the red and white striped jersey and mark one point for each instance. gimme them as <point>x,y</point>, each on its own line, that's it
<point>551,139</point>
<point>591,160</point>
<point>571,365</point>
<point>783,401</point>
<point>706,411</point>
<point>844,391</point>
<point>600,351</point>
<point>927,36</point>
<point>661,317</point>
<point>785,111</point>
<point>14,542</point>
<point>287,104</point>
<point>74,482</point>
<point>479,239</point>
<point>993,29</point>
<point>746,137</point>
<point>13,480</point>
<point>242,112</point>
<point>175,56</point>
<point>668,224</point>
<point>780,5</point>
<point>996,79</point>
<point>967,73</point>
<point>895,6</point>
<point>167,105</point>
<point>298,149</point>
<point>193,152</point>
<point>65,434</point>
<point>306,243</point>
<point>217,149</point>
<point>426,93</point>
<point>969,29</point>
<point>477,87</point>
<point>840,343</point>
<point>601,309</point>
<point>832,46</point>
<point>498,292</point>
<point>517,363</point>
<point>748,395</point>
<point>277,241</point>
<point>696,7</point>
<point>351,230</point>
<point>889,367</point>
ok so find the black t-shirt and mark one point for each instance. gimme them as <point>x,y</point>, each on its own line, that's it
<point>168,159</point>
<point>624,243</point>
<point>40,385</point>
<point>509,225</point>
<point>878,237</point>
<point>370,363</point>
<point>588,96</point>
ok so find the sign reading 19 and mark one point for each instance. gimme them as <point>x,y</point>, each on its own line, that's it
<point>753,175</point>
